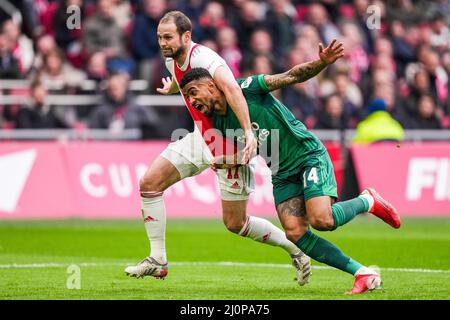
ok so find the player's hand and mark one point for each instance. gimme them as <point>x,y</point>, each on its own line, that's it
<point>250,147</point>
<point>167,84</point>
<point>331,53</point>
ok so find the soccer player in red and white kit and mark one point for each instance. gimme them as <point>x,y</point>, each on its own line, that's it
<point>193,154</point>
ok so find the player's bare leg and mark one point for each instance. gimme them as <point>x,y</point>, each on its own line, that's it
<point>326,215</point>
<point>237,221</point>
<point>295,221</point>
<point>160,176</point>
<point>292,215</point>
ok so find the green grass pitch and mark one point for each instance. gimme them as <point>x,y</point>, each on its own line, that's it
<point>208,262</point>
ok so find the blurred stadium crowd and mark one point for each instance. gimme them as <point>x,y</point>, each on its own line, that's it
<point>404,60</point>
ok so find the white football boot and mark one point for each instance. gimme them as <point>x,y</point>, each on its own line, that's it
<point>148,267</point>
<point>302,263</point>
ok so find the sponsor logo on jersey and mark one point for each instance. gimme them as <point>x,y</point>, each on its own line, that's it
<point>260,134</point>
<point>246,83</point>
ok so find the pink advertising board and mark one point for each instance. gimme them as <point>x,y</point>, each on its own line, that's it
<point>415,177</point>
<point>34,181</point>
<point>51,180</point>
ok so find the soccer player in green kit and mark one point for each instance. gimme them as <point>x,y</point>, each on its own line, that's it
<point>304,185</point>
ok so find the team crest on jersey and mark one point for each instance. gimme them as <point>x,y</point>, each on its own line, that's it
<point>246,83</point>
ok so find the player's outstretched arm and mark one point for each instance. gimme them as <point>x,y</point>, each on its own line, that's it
<point>169,86</point>
<point>306,71</point>
<point>235,98</point>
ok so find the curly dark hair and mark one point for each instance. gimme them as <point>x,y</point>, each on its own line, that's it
<point>194,74</point>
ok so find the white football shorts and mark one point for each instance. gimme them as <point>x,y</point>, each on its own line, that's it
<point>191,156</point>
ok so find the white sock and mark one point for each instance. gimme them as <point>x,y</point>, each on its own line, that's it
<point>264,231</point>
<point>154,214</point>
<point>366,270</point>
<point>369,199</point>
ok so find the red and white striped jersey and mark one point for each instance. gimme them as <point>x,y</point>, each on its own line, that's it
<point>198,57</point>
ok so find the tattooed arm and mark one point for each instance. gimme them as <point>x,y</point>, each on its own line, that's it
<point>305,71</point>
<point>299,73</point>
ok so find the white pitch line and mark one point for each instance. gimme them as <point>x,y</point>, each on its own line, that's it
<point>199,263</point>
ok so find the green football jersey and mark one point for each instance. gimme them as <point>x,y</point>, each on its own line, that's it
<point>283,141</point>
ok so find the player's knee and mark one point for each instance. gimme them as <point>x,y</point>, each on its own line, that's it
<point>234,225</point>
<point>233,215</point>
<point>293,234</point>
<point>322,222</point>
<point>150,183</point>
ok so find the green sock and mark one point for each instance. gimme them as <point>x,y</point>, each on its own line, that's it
<point>345,211</point>
<point>324,251</point>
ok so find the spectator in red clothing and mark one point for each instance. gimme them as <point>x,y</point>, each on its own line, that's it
<point>22,46</point>
<point>211,20</point>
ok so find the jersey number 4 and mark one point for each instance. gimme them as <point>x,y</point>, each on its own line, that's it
<point>312,176</point>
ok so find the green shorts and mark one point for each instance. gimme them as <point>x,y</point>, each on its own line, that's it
<point>315,178</point>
